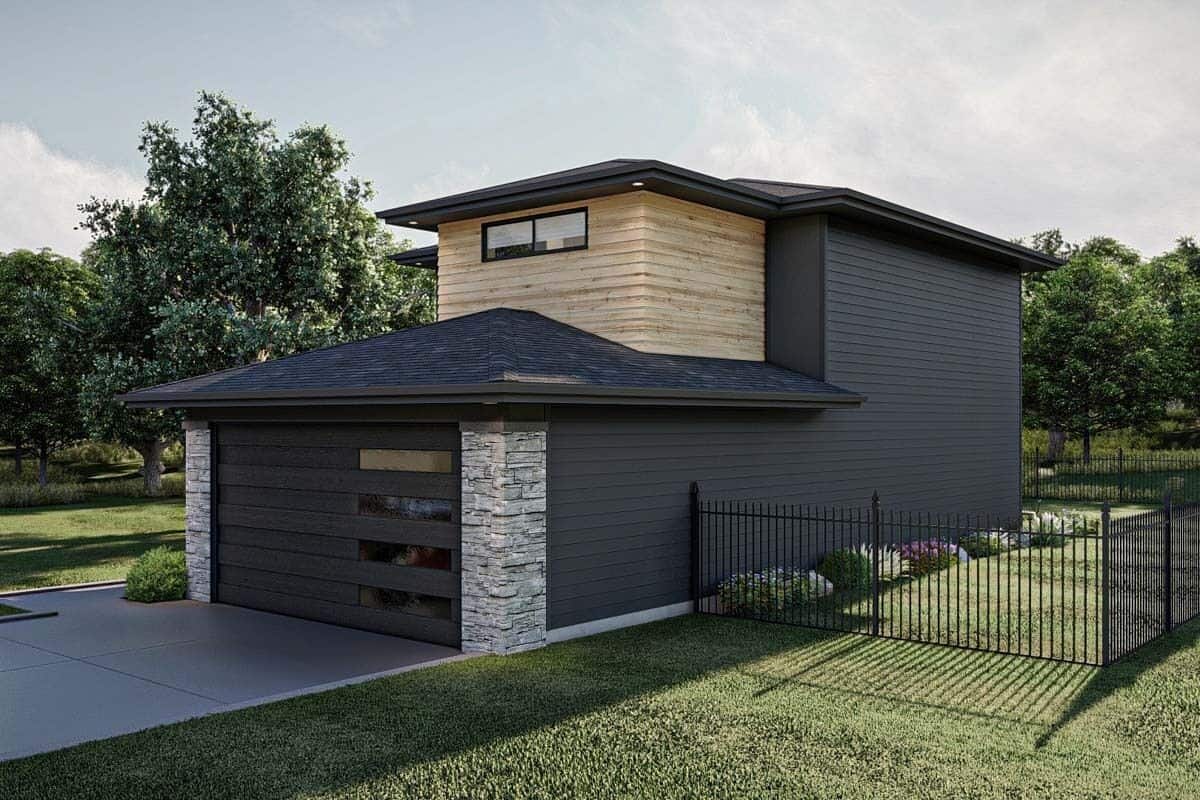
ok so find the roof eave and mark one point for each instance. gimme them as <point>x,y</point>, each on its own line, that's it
<point>851,203</point>
<point>499,392</point>
<point>654,176</point>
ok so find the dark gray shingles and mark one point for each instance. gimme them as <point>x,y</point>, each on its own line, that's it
<point>495,346</point>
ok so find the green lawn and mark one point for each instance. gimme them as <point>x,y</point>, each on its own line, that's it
<point>697,707</point>
<point>93,541</point>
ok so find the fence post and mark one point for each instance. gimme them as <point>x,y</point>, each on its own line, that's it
<point>1037,473</point>
<point>1121,474</point>
<point>694,511</point>
<point>1168,593</point>
<point>1105,585</point>
<point>876,543</point>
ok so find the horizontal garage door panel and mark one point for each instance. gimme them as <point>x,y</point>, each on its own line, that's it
<point>418,437</point>
<point>368,573</point>
<point>427,534</point>
<point>413,484</point>
<point>260,497</point>
<point>319,457</point>
<point>290,532</point>
<point>331,591</point>
<point>331,546</point>
<point>431,630</point>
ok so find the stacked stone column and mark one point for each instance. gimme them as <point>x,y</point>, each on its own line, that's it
<point>198,510</point>
<point>503,536</point>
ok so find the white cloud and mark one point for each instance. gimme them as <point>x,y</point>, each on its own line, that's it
<point>40,191</point>
<point>368,23</point>
<point>1074,115</point>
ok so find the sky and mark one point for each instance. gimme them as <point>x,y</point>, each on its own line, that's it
<point>1007,117</point>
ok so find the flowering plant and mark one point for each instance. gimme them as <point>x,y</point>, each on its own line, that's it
<point>767,591</point>
<point>928,555</point>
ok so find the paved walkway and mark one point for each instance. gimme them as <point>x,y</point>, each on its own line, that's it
<point>106,666</point>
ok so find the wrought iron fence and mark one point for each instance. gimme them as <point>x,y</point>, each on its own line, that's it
<point>1066,589</point>
<point>1116,477</point>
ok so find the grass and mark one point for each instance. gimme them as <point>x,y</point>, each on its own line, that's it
<point>93,541</point>
<point>690,708</point>
<point>8,611</point>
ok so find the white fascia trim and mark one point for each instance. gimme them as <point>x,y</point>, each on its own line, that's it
<point>622,621</point>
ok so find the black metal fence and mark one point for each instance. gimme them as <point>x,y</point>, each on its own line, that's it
<point>1114,477</point>
<point>1044,586</point>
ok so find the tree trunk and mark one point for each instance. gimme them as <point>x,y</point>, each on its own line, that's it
<point>1087,446</point>
<point>1058,440</point>
<point>43,465</point>
<point>152,468</point>
<point>18,459</point>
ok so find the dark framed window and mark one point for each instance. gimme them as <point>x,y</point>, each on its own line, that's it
<point>408,602</point>
<point>404,555</point>
<point>420,508</point>
<point>558,232</point>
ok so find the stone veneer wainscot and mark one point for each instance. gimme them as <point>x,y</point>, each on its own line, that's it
<point>503,536</point>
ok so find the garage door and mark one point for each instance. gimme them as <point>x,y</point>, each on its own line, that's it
<point>356,525</point>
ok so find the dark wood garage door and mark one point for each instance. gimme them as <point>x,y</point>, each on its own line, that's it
<point>356,525</point>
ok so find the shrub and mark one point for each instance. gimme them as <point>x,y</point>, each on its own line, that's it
<point>848,569</point>
<point>158,574</point>
<point>96,453</point>
<point>928,556</point>
<point>983,544</point>
<point>891,565</point>
<point>767,592</point>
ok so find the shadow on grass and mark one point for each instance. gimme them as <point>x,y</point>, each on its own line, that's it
<point>30,561</point>
<point>1123,674</point>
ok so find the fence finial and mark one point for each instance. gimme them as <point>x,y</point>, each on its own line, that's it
<point>875,498</point>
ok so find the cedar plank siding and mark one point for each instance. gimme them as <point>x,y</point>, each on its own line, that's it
<point>932,340</point>
<point>660,275</point>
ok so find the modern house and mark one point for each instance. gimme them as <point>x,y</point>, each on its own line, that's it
<point>519,471</point>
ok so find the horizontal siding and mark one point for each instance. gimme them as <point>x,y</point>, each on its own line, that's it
<point>933,343</point>
<point>659,274</point>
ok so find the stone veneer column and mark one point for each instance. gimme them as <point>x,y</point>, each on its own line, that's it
<point>198,509</point>
<point>503,536</point>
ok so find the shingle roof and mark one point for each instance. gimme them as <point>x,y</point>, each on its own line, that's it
<point>781,189</point>
<point>521,355</point>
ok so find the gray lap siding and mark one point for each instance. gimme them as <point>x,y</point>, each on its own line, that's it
<point>934,343</point>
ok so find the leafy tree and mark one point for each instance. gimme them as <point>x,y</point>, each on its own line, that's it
<point>1095,346</point>
<point>43,298</point>
<point>244,247</point>
<point>1173,279</point>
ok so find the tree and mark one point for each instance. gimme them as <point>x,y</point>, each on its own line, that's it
<point>244,247</point>
<point>1095,346</point>
<point>43,299</point>
<point>1173,279</point>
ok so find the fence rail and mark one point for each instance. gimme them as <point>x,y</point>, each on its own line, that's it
<point>1114,477</point>
<point>1046,587</point>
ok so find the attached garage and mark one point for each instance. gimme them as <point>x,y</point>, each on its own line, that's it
<point>352,524</point>
<point>404,483</point>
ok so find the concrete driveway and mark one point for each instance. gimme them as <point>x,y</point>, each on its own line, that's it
<point>106,666</point>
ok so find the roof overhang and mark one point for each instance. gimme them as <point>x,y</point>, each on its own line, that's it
<point>511,392</point>
<point>685,184</point>
<point>424,257</point>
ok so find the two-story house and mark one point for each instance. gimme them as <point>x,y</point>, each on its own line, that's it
<point>519,471</point>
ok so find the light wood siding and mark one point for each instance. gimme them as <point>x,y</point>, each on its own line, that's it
<point>659,275</point>
<point>931,340</point>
